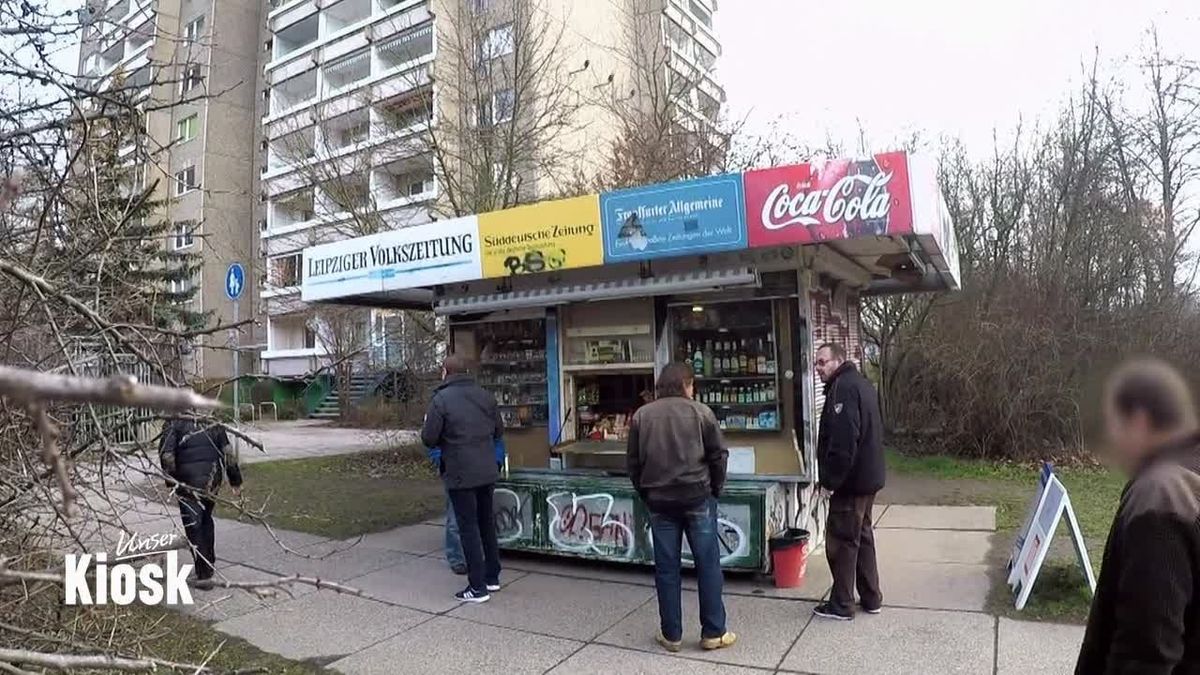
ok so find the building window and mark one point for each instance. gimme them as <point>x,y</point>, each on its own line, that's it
<point>700,13</point>
<point>504,102</point>
<point>191,78</point>
<point>498,42</point>
<point>481,6</point>
<point>496,109</point>
<point>186,128</point>
<point>180,286</point>
<point>706,58</point>
<point>285,270</point>
<point>184,234</point>
<point>185,180</point>
<point>193,31</point>
<point>310,337</point>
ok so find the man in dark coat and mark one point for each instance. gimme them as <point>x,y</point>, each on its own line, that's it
<point>851,471</point>
<point>464,421</point>
<point>194,457</point>
<point>1145,617</point>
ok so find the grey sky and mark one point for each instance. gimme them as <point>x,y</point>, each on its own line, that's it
<point>957,67</point>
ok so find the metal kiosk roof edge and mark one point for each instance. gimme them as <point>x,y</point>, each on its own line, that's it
<point>879,224</point>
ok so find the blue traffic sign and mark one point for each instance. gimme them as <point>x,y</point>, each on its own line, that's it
<point>235,281</point>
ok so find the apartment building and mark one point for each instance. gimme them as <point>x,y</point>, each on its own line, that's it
<point>353,90</point>
<point>198,62</point>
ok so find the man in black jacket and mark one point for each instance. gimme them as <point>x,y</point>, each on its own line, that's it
<point>195,457</point>
<point>851,471</point>
<point>1145,617</point>
<point>464,421</point>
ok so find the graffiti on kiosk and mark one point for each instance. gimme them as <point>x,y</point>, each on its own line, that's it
<point>732,541</point>
<point>512,515</point>
<point>590,524</point>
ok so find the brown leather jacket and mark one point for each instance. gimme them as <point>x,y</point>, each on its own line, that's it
<point>676,455</point>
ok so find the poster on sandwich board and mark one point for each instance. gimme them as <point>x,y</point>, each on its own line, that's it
<point>1051,505</point>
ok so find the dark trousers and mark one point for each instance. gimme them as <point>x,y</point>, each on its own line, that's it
<point>850,548</point>
<point>700,526</point>
<point>477,528</point>
<point>197,514</point>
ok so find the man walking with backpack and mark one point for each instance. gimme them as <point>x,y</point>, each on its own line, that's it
<point>464,422</point>
<point>851,470</point>
<point>195,458</point>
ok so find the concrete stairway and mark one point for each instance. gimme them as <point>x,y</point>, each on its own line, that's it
<point>330,407</point>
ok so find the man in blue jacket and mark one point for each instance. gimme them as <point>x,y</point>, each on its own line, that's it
<point>464,421</point>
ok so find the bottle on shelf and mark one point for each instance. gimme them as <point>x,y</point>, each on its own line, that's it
<point>697,358</point>
<point>743,366</point>
<point>708,358</point>
<point>761,366</point>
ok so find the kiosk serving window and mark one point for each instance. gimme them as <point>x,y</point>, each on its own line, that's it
<point>732,350</point>
<point>512,365</point>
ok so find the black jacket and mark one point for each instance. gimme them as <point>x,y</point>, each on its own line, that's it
<point>464,421</point>
<point>675,455</point>
<point>1145,617</point>
<point>850,439</point>
<point>197,455</point>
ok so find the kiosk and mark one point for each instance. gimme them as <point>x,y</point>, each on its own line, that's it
<point>571,306</point>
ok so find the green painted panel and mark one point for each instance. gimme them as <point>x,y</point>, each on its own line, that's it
<point>602,518</point>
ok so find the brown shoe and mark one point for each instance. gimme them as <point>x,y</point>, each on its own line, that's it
<point>671,646</point>
<point>722,642</point>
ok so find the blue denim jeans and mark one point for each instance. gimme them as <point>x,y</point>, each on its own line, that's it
<point>700,526</point>
<point>454,550</point>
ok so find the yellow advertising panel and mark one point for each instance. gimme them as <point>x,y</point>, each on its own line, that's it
<point>543,237</point>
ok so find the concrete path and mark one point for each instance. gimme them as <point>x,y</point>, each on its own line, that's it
<point>302,439</point>
<point>562,616</point>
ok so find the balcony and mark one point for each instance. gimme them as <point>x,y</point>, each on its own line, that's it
<point>344,14</point>
<point>345,131</point>
<point>345,72</point>
<point>403,114</point>
<point>346,195</point>
<point>409,180</point>
<point>291,150</point>
<point>294,92</point>
<point>296,36</point>
<point>292,210</point>
<point>406,48</point>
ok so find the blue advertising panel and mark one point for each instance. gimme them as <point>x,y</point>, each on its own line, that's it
<point>690,217</point>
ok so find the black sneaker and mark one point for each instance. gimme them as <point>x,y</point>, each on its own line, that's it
<point>878,609</point>
<point>469,595</point>
<point>460,570</point>
<point>826,610</point>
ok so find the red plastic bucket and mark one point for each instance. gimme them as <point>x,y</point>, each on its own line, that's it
<point>789,557</point>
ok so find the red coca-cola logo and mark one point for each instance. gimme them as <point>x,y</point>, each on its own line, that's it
<point>841,199</point>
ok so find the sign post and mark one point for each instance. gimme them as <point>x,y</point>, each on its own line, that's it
<point>235,283</point>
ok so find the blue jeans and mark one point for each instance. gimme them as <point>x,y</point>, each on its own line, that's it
<point>700,526</point>
<point>454,551</point>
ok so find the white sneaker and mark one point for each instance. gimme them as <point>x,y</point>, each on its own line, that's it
<point>492,588</point>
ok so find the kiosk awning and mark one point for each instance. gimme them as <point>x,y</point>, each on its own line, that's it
<point>557,295</point>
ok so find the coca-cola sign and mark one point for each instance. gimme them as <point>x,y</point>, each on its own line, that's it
<point>840,199</point>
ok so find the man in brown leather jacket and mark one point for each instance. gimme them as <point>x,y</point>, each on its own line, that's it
<point>1145,617</point>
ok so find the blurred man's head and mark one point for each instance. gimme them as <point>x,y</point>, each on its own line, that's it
<point>830,357</point>
<point>1146,405</point>
<point>676,379</point>
<point>454,364</point>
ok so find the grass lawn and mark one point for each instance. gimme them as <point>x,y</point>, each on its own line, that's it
<point>175,636</point>
<point>344,495</point>
<point>1060,592</point>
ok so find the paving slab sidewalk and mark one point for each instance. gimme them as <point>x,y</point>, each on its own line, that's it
<point>571,617</point>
